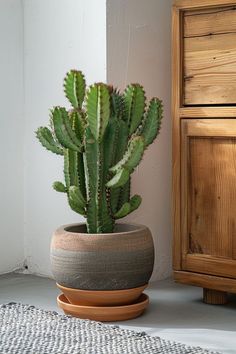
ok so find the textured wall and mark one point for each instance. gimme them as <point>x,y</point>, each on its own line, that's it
<point>138,50</point>
<point>11,141</point>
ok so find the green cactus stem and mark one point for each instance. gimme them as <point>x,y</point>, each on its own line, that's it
<point>134,99</point>
<point>128,207</point>
<point>74,88</point>
<point>76,200</point>
<point>59,187</point>
<point>99,219</point>
<point>46,139</point>
<point>63,129</point>
<point>152,121</point>
<point>98,109</point>
<point>132,156</point>
<point>102,139</point>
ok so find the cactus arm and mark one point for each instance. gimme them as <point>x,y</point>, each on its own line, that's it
<point>46,139</point>
<point>98,216</point>
<point>119,179</point>
<point>134,100</point>
<point>81,174</point>
<point>135,202</point>
<point>78,124</point>
<point>67,168</point>
<point>120,146</point>
<point>114,199</point>
<point>129,207</point>
<point>74,88</point>
<point>76,194</point>
<point>72,180</point>
<point>76,200</point>
<point>132,156</point>
<point>117,104</point>
<point>127,164</point>
<point>86,176</point>
<point>152,122</point>
<point>92,166</point>
<point>98,109</point>
<point>59,187</point>
<point>109,144</point>
<point>63,129</point>
<point>123,211</point>
<point>124,195</point>
<point>71,168</point>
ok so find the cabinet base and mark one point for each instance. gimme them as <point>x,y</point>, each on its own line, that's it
<point>215,288</point>
<point>214,297</point>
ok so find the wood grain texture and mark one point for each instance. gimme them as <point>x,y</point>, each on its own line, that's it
<point>210,56</point>
<point>214,297</point>
<point>212,195</point>
<point>209,22</point>
<point>198,4</point>
<point>208,264</point>
<point>210,127</point>
<point>208,194</point>
<point>206,281</point>
<point>206,112</point>
<point>204,143</point>
<point>176,102</point>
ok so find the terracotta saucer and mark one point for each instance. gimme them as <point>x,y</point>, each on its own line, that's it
<point>104,314</point>
<point>102,297</point>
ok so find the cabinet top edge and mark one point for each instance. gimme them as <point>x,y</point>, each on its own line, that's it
<point>198,4</point>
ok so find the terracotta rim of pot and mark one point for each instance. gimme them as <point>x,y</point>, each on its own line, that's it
<point>66,229</point>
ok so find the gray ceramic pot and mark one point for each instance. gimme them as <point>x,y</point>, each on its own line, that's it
<point>120,260</point>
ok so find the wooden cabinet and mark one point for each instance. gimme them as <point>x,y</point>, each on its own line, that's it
<point>209,42</point>
<point>204,145</point>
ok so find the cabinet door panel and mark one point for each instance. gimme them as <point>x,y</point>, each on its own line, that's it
<point>210,56</point>
<point>209,195</point>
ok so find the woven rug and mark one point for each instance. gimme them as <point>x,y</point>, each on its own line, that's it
<point>25,329</point>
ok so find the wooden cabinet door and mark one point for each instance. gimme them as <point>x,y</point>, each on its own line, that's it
<point>208,196</point>
<point>209,46</point>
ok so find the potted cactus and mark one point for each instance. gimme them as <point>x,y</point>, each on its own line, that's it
<point>102,140</point>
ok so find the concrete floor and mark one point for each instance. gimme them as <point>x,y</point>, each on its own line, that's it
<point>176,311</point>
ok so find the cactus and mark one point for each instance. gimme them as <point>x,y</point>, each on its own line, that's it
<point>103,139</point>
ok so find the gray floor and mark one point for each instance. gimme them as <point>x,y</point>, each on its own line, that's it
<point>174,308</point>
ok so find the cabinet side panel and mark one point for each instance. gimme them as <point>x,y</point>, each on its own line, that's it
<point>176,101</point>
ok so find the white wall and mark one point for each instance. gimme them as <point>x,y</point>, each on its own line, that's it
<point>11,141</point>
<point>59,35</point>
<point>138,50</point>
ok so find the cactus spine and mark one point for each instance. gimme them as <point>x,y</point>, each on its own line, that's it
<point>102,138</point>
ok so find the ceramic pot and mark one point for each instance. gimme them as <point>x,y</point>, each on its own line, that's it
<point>113,261</point>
